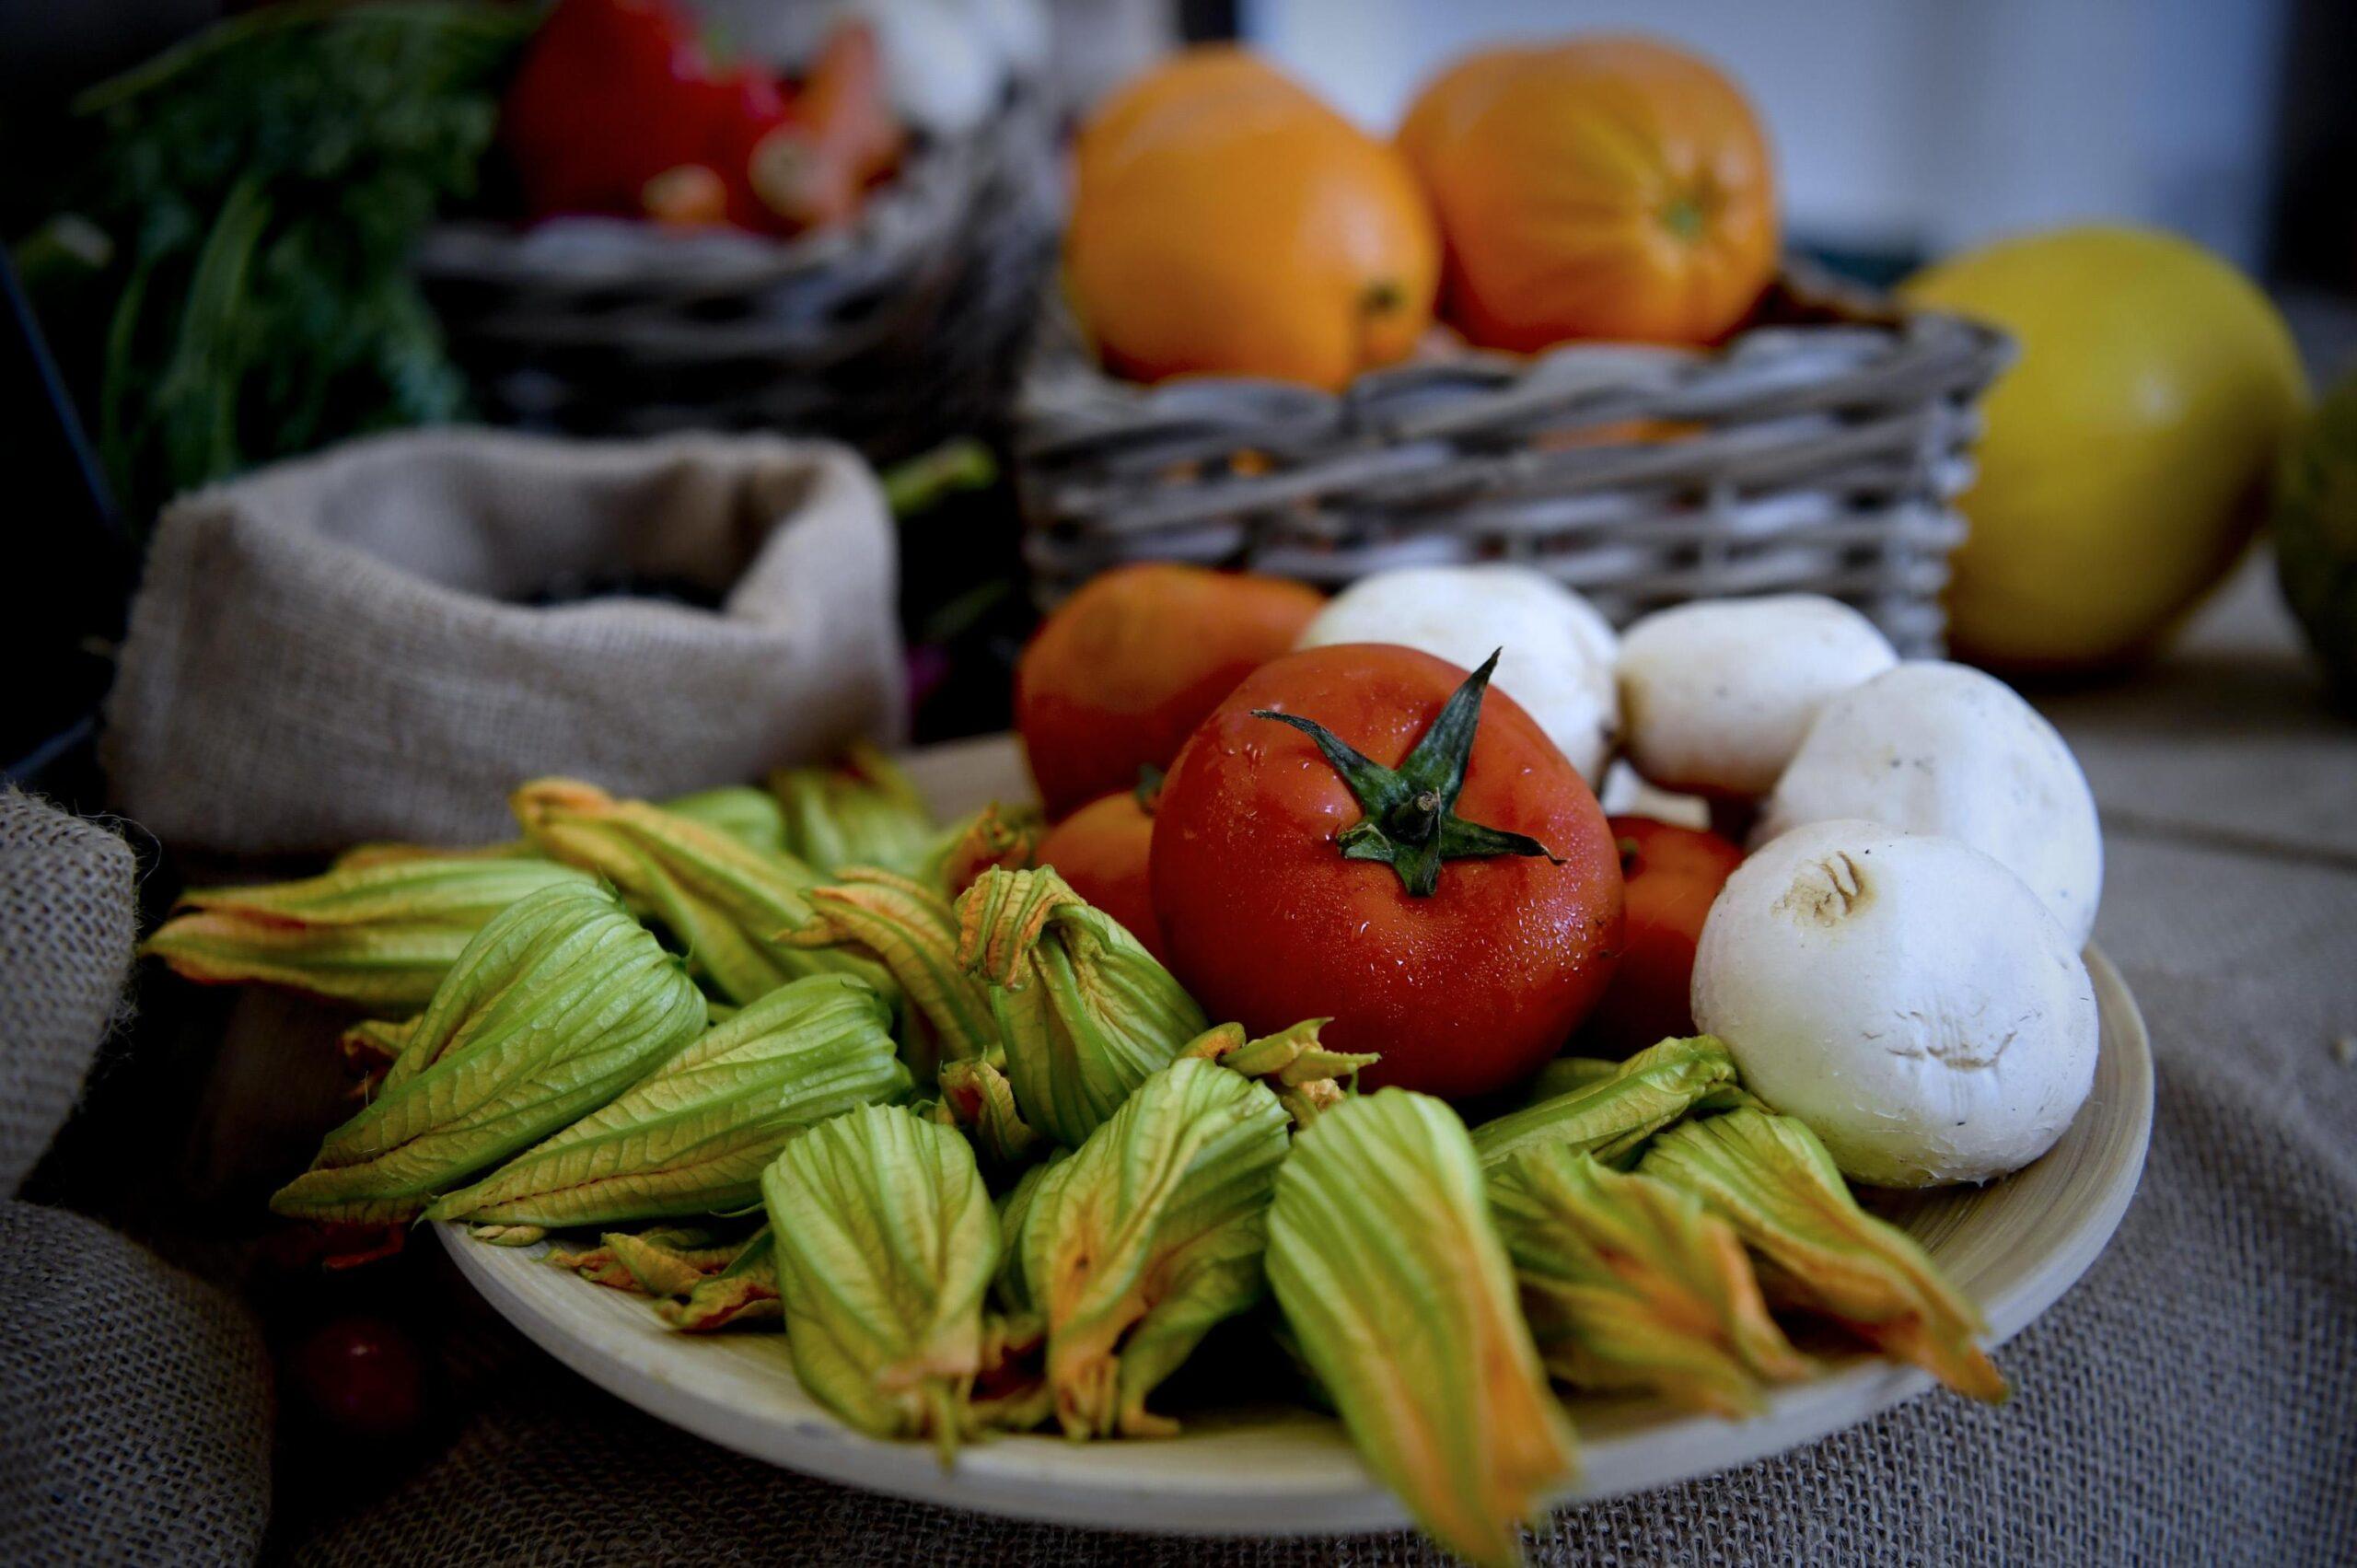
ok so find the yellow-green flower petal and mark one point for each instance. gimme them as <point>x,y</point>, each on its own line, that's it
<point>886,1242</point>
<point>1399,1293</point>
<point>722,901</point>
<point>1627,1283</point>
<point>560,1003</point>
<point>1085,1013</point>
<point>1611,1118</point>
<point>694,1136</point>
<point>1306,1076</point>
<point>1769,1177</point>
<point>378,936</point>
<point>859,810</point>
<point>1149,1235</point>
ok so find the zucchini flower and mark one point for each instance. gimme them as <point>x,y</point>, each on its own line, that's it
<point>980,1101</point>
<point>1769,1176</point>
<point>886,1242</point>
<point>1627,1283</point>
<point>743,1293</point>
<point>950,1034</point>
<point>722,900</point>
<point>1294,1063</point>
<point>560,1003</point>
<point>1566,1074</point>
<point>378,937</point>
<point>744,813</point>
<point>1007,837</point>
<point>1399,1296</point>
<point>693,1136</point>
<point>862,810</point>
<point>628,1261</point>
<point>370,1047</point>
<point>1149,1235</point>
<point>750,815</point>
<point>1085,1014</point>
<point>1611,1116</point>
<point>912,930</point>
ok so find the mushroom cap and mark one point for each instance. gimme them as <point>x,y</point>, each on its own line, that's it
<point>1716,696</point>
<point>1935,748</point>
<point>1558,653</point>
<point>1906,996</point>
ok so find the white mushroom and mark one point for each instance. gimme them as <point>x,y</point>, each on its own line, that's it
<point>1934,747</point>
<point>1716,696</point>
<point>1906,996</point>
<point>1558,651</point>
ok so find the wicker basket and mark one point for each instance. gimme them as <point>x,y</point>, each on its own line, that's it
<point>1817,452</point>
<point>907,326</point>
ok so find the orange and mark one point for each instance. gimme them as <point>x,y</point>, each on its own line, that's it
<point>1227,222</point>
<point>1603,188</point>
<point>1120,673</point>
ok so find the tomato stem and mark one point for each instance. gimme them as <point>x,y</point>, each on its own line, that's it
<point>1410,820</point>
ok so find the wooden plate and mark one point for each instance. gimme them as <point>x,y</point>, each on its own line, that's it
<point>2015,1247</point>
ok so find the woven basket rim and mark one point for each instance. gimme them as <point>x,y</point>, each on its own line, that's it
<point>1069,402</point>
<point>922,207</point>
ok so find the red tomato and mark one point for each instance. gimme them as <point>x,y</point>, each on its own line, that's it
<point>362,1375</point>
<point>1464,991</point>
<point>1101,850</point>
<point>1673,874</point>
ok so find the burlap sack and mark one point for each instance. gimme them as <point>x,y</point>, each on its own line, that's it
<point>67,919</point>
<point>360,645</point>
<point>136,1417</point>
<point>134,1400</point>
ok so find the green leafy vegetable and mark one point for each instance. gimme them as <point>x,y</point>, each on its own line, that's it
<point>262,187</point>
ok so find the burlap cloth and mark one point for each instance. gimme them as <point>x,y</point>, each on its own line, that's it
<point>362,645</point>
<point>134,1399</point>
<point>2193,1399</point>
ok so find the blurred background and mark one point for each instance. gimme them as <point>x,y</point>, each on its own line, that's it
<point>1901,133</point>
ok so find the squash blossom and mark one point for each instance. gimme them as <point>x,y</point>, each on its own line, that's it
<point>1306,1076</point>
<point>744,1293</point>
<point>750,815</point>
<point>912,930</point>
<point>1006,837</point>
<point>1085,1014</point>
<point>885,1241</point>
<point>378,937</point>
<point>1628,1284</point>
<point>722,900</point>
<point>949,1035</point>
<point>1147,1235</point>
<point>693,1136</point>
<point>1399,1296</point>
<point>626,1260</point>
<point>1769,1177</point>
<point>1611,1116</point>
<point>861,810</point>
<point>559,1004</point>
<point>744,813</point>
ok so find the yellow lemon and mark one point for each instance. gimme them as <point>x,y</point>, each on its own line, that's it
<point>2127,452</point>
